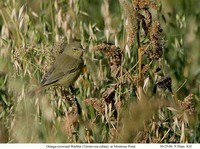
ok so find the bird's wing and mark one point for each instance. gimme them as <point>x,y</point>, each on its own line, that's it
<point>63,65</point>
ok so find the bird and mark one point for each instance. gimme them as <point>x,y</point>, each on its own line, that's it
<point>66,68</point>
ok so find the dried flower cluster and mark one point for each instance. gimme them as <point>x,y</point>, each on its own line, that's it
<point>143,4</point>
<point>156,40</point>
<point>187,104</point>
<point>109,95</point>
<point>165,83</point>
<point>131,24</point>
<point>100,104</point>
<point>145,69</point>
<point>134,16</point>
<point>97,104</point>
<point>115,56</point>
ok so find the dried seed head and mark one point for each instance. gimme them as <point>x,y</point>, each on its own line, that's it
<point>131,25</point>
<point>148,18</point>
<point>187,104</point>
<point>155,33</point>
<point>154,54</point>
<point>156,42</point>
<point>165,83</point>
<point>158,69</point>
<point>145,69</point>
<point>109,98</point>
<point>114,54</point>
<point>157,51</point>
<point>100,104</point>
<point>97,104</point>
<point>142,4</point>
<point>109,95</point>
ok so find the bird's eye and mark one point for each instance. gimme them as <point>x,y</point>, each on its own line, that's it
<point>75,49</point>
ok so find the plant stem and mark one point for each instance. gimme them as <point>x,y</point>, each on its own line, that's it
<point>139,82</point>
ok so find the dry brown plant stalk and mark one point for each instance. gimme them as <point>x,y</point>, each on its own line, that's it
<point>131,24</point>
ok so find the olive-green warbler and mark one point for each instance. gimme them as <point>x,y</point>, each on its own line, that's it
<point>66,68</point>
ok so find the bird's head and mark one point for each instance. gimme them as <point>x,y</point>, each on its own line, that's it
<point>74,49</point>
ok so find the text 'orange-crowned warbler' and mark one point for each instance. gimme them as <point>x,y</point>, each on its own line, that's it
<point>66,68</point>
